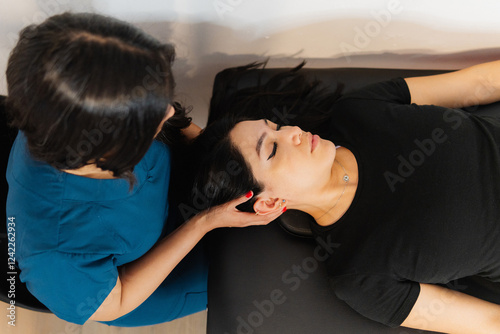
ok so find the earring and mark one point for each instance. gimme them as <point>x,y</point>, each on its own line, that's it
<point>282,202</point>
<point>257,213</point>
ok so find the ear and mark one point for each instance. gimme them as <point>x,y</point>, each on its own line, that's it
<point>265,206</point>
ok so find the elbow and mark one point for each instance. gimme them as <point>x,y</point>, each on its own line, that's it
<point>111,308</point>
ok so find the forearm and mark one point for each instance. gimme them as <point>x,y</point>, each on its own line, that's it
<point>191,132</point>
<point>487,87</point>
<point>475,85</point>
<point>447,311</point>
<point>139,279</point>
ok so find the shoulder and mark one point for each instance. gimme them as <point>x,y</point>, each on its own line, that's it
<point>377,296</point>
<point>395,91</point>
<point>157,156</point>
<point>33,175</point>
<point>51,276</point>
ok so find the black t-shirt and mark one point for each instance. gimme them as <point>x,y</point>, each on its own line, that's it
<point>425,210</point>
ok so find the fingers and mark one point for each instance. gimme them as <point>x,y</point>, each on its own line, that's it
<point>242,199</point>
<point>227,215</point>
<point>258,219</point>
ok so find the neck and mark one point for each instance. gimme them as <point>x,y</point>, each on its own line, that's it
<point>328,205</point>
<point>91,171</point>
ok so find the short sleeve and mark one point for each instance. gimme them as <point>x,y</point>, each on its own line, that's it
<point>72,286</point>
<point>377,297</point>
<point>395,91</point>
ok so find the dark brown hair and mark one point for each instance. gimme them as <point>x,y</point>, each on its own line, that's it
<point>223,174</point>
<point>85,88</point>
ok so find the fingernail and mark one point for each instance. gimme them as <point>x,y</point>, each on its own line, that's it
<point>249,194</point>
<point>284,209</point>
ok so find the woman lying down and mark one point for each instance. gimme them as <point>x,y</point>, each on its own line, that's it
<point>408,186</point>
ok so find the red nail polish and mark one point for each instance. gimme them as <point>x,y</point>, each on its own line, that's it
<point>249,194</point>
<point>284,209</point>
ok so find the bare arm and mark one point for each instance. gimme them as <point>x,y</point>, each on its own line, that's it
<point>139,279</point>
<point>475,85</point>
<point>444,310</point>
<point>191,132</point>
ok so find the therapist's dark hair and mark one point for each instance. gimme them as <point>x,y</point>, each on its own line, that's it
<point>85,88</point>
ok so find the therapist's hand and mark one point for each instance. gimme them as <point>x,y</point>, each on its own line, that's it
<point>227,215</point>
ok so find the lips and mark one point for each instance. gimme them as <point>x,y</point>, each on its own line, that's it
<point>314,142</point>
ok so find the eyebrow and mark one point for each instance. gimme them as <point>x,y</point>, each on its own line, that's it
<point>260,141</point>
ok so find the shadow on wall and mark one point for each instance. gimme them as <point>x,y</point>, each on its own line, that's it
<point>194,82</point>
<point>204,49</point>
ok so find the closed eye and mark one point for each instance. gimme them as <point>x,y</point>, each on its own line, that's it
<point>275,144</point>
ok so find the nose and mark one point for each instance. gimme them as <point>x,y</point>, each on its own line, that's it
<point>294,133</point>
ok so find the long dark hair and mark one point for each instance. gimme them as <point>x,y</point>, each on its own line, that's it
<point>223,173</point>
<point>85,88</point>
<point>284,96</point>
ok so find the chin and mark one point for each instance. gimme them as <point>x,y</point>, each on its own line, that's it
<point>330,150</point>
<point>327,153</point>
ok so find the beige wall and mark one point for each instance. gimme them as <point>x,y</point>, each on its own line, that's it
<point>213,34</point>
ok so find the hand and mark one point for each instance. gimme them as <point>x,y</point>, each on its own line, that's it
<point>226,215</point>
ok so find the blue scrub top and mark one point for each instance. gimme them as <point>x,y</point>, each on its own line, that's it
<point>72,232</point>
